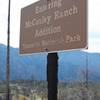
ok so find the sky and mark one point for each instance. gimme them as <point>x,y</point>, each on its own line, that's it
<point>16,5</point>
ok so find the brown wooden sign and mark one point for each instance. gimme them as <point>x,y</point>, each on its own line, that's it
<point>53,26</point>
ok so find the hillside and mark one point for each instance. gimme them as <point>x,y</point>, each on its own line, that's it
<point>71,65</point>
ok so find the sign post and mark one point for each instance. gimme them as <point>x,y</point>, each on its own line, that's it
<point>52,75</point>
<point>53,26</point>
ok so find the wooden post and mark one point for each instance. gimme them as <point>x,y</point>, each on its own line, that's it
<point>52,75</point>
<point>8,55</point>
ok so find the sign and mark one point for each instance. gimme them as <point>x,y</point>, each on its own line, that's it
<point>53,26</point>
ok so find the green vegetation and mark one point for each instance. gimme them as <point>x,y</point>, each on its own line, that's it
<point>2,88</point>
<point>37,90</point>
<point>78,91</point>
